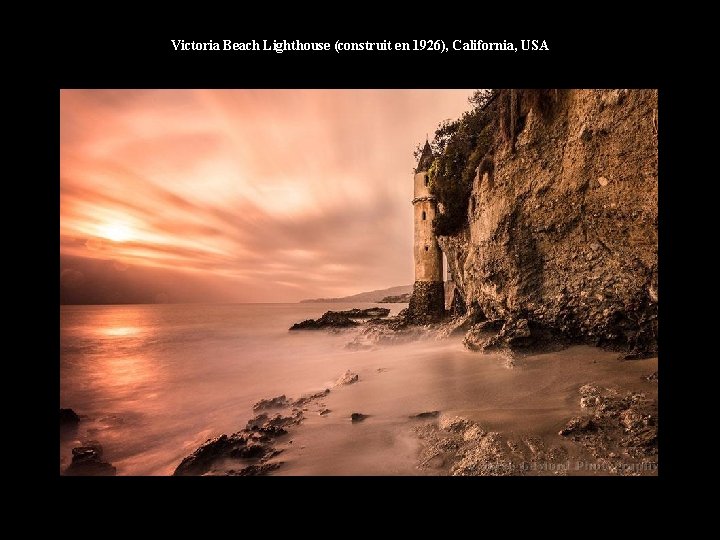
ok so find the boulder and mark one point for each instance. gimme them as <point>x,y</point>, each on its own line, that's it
<point>68,417</point>
<point>279,402</point>
<point>578,425</point>
<point>87,461</point>
<point>331,319</point>
<point>303,400</point>
<point>347,378</point>
<point>368,313</point>
<point>426,414</point>
<point>358,417</point>
<point>200,461</point>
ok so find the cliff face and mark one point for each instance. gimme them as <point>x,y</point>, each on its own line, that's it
<point>562,230</point>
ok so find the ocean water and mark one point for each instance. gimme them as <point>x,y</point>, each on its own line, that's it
<point>153,382</point>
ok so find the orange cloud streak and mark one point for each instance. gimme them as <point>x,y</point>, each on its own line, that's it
<point>269,195</point>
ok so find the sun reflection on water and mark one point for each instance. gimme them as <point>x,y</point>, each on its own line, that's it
<point>120,331</point>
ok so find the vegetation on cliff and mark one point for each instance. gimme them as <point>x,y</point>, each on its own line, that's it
<point>465,147</point>
<point>458,148</point>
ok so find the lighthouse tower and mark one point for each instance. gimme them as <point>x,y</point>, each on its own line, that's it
<point>427,303</point>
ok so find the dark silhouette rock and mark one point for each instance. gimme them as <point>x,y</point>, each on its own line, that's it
<point>328,320</point>
<point>399,299</point>
<point>427,414</point>
<point>255,470</point>
<point>358,417</point>
<point>255,442</point>
<point>68,417</point>
<point>578,425</point>
<point>200,461</point>
<point>341,319</point>
<point>304,400</point>
<point>347,378</point>
<point>368,313</point>
<point>279,402</point>
<point>87,461</point>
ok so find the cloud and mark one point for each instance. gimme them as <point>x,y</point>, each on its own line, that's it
<point>268,195</point>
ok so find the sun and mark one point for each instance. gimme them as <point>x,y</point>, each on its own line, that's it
<point>117,232</point>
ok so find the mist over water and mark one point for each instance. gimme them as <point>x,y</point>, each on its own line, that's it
<point>153,382</point>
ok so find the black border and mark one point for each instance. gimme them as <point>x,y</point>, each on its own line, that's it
<point>619,57</point>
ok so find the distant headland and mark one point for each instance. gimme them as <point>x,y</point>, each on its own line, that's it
<point>392,295</point>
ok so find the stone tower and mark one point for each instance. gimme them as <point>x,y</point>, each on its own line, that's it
<point>427,303</point>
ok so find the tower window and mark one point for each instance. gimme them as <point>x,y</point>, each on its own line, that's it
<point>426,248</point>
<point>424,216</point>
<point>427,182</point>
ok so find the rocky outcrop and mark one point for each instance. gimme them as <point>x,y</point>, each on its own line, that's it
<point>618,426</point>
<point>561,235</point>
<point>368,313</point>
<point>248,452</point>
<point>426,414</point>
<point>399,299</point>
<point>279,402</point>
<point>252,447</point>
<point>330,319</point>
<point>68,418</point>
<point>347,378</point>
<point>341,319</point>
<point>87,461</point>
<point>617,436</point>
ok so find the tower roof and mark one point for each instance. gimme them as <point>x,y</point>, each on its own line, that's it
<point>426,158</point>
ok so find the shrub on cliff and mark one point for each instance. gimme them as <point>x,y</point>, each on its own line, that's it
<point>458,147</point>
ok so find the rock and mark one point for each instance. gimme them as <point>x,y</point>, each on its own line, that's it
<point>310,397</point>
<point>68,417</point>
<point>323,412</point>
<point>589,396</point>
<point>358,417</point>
<point>255,470</point>
<point>627,420</point>
<point>87,461</point>
<point>279,402</point>
<point>487,458</point>
<point>514,334</point>
<point>652,377</point>
<point>368,313</point>
<point>252,443</point>
<point>340,319</point>
<point>329,320</point>
<point>200,461</point>
<point>427,414</point>
<point>473,432</point>
<point>251,450</point>
<point>578,425</point>
<point>522,250</point>
<point>399,299</point>
<point>455,423</point>
<point>347,378</point>
<point>256,422</point>
<point>632,420</point>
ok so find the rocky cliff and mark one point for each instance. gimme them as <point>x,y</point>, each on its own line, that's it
<point>561,230</point>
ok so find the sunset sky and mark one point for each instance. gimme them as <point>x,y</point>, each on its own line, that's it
<point>239,195</point>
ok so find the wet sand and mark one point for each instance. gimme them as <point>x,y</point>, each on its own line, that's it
<point>535,398</point>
